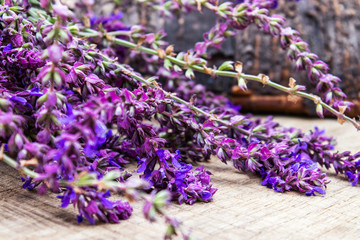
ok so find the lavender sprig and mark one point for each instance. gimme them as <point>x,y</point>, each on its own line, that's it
<point>198,64</point>
<point>219,152</point>
<point>74,116</point>
<point>244,13</point>
<point>230,149</point>
<point>91,203</point>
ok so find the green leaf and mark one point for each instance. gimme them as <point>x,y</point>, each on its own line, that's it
<point>259,128</point>
<point>112,175</point>
<point>170,231</point>
<point>294,135</point>
<point>153,78</point>
<point>189,73</point>
<point>167,64</point>
<point>41,100</point>
<point>177,68</point>
<point>242,84</point>
<point>57,79</point>
<point>228,65</point>
<point>161,199</point>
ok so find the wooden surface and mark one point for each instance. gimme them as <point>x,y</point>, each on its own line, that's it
<point>242,208</point>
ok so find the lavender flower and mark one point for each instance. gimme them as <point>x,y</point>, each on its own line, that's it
<point>92,204</point>
<point>72,116</point>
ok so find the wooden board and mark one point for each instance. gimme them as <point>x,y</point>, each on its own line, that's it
<point>242,208</point>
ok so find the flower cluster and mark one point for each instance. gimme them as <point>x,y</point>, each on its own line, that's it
<point>76,112</point>
<point>93,203</point>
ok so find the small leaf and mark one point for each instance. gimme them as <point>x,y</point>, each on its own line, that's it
<point>177,68</point>
<point>319,110</point>
<point>259,128</point>
<point>189,73</point>
<point>169,50</point>
<point>161,199</point>
<point>239,67</point>
<point>112,175</point>
<point>264,79</point>
<point>242,84</point>
<point>167,64</point>
<point>161,53</point>
<point>228,65</point>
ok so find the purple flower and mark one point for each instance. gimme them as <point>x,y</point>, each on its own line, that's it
<point>20,100</point>
<point>55,53</point>
<point>302,145</point>
<point>44,3</point>
<point>60,10</point>
<point>7,48</point>
<point>353,178</point>
<point>163,156</point>
<point>81,114</point>
<point>315,190</point>
<point>93,204</point>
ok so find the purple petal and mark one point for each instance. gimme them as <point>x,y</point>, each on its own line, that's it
<point>206,195</point>
<point>7,48</point>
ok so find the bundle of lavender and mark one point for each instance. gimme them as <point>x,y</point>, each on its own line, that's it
<point>84,99</point>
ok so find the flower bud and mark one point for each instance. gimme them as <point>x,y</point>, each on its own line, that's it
<point>19,141</point>
<point>242,84</point>
<point>61,11</point>
<point>44,3</point>
<point>7,19</point>
<point>55,53</point>
<point>319,110</point>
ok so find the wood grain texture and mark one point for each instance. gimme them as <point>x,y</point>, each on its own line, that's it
<point>332,29</point>
<point>242,208</point>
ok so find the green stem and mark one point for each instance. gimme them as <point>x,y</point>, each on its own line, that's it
<point>198,68</point>
<point>119,33</point>
<point>189,105</point>
<point>91,33</point>
<point>124,43</point>
<point>35,2</point>
<point>11,162</point>
<point>86,183</point>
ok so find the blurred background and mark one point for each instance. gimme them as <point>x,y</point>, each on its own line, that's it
<point>331,27</point>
